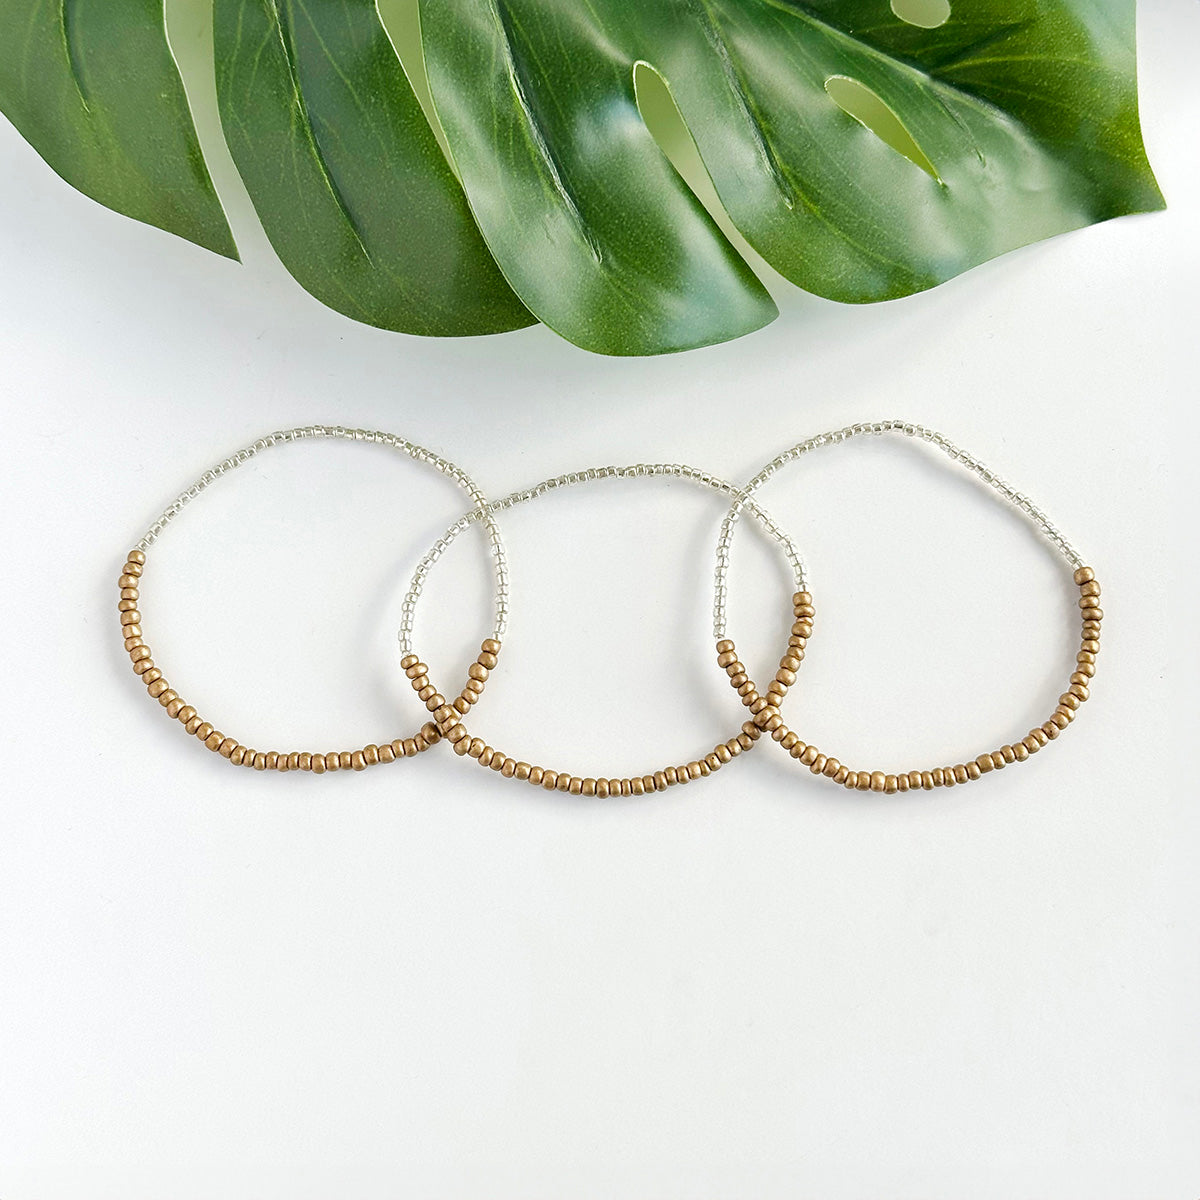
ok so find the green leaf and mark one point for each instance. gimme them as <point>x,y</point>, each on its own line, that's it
<point>94,89</point>
<point>1015,120</point>
<point>593,227</point>
<point>346,174</point>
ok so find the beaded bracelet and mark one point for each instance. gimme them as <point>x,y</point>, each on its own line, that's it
<point>448,715</point>
<point>229,747</point>
<point>765,708</point>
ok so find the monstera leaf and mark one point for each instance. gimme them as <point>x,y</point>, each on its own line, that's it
<point>865,150</point>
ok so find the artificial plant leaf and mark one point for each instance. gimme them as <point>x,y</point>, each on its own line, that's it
<point>94,88</point>
<point>592,225</point>
<point>1012,121</point>
<point>344,170</point>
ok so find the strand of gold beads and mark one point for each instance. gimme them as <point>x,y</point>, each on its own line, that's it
<point>765,708</point>
<point>177,708</point>
<point>448,716</point>
<point>767,717</point>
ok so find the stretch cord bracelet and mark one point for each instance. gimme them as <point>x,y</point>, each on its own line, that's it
<point>448,716</point>
<point>229,747</point>
<point>767,716</point>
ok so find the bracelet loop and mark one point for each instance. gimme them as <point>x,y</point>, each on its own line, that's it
<point>448,715</point>
<point>229,747</point>
<point>768,716</point>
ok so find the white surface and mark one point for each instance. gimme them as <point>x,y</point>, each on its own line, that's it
<point>428,981</point>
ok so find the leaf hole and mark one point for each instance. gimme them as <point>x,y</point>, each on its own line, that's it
<point>668,128</point>
<point>867,108</point>
<point>402,21</point>
<point>926,14</point>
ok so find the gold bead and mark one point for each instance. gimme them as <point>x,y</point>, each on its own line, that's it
<point>409,661</point>
<point>317,762</point>
<point>890,784</point>
<point>973,771</point>
<point>878,780</point>
<point>1091,588</point>
<point>386,753</point>
<point>136,556</point>
<point>960,773</point>
<point>1084,575</point>
<point>157,688</point>
<point>358,761</point>
<point>490,646</point>
<point>237,755</point>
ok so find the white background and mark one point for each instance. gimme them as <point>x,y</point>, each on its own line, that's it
<point>427,981</point>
